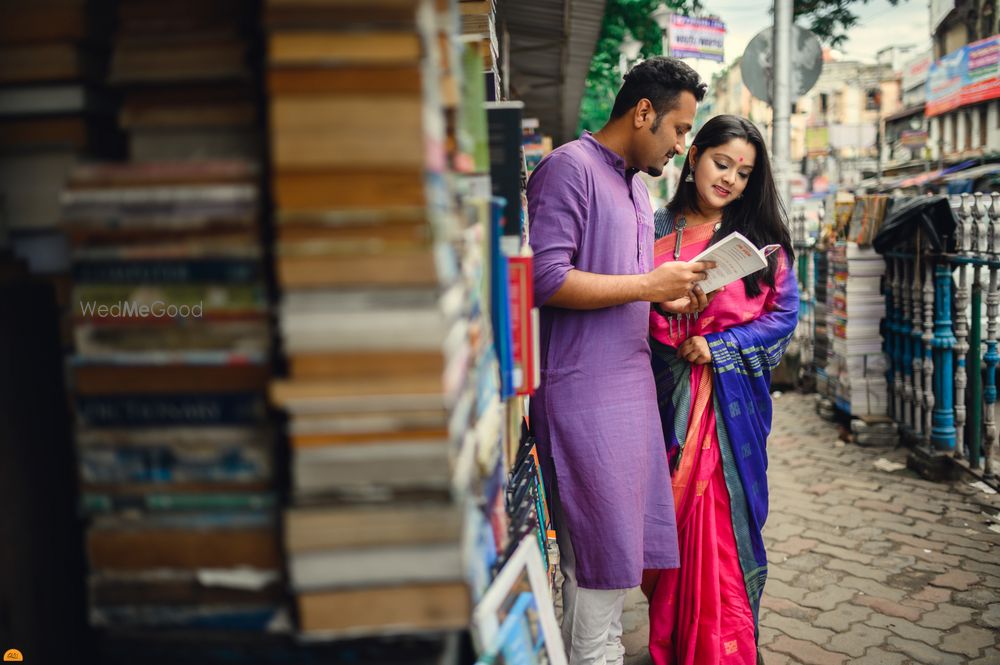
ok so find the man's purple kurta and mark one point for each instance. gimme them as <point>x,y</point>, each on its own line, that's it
<point>595,415</point>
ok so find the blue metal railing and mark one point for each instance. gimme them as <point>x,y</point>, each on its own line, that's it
<point>942,367</point>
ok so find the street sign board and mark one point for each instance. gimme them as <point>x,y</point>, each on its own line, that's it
<point>692,37</point>
<point>758,63</point>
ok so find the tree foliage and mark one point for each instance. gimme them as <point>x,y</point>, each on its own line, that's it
<point>829,19</point>
<point>604,77</point>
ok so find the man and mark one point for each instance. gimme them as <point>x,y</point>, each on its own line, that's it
<point>595,415</point>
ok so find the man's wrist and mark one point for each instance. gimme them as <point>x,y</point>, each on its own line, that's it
<point>642,288</point>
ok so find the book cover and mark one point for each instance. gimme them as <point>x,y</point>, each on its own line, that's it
<point>735,258</point>
<point>506,161</point>
<point>522,301</point>
<point>523,572</point>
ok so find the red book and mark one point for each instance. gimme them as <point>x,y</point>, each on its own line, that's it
<point>522,301</point>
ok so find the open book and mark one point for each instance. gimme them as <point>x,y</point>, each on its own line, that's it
<point>735,257</point>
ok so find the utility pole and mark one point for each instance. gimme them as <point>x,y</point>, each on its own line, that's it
<point>781,100</point>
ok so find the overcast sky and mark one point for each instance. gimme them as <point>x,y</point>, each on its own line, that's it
<point>881,25</point>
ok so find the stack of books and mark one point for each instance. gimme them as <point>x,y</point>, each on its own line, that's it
<point>536,145</point>
<point>821,336</point>
<point>376,313</point>
<point>413,484</point>
<point>54,111</point>
<point>857,308</point>
<point>867,217</point>
<point>184,71</point>
<point>479,26</point>
<point>172,336</point>
<point>170,368</point>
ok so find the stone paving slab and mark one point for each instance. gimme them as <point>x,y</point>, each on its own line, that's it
<point>866,566</point>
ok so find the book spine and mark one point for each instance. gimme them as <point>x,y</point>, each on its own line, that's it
<point>172,272</point>
<point>521,304</point>
<point>94,503</point>
<point>152,410</point>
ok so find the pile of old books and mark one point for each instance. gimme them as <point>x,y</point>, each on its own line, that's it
<point>373,315</point>
<point>856,309</point>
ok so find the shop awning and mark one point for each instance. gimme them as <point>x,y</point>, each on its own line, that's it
<point>551,46</point>
<point>905,113</point>
<point>930,176</point>
<point>974,173</point>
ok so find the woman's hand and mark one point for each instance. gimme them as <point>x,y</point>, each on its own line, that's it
<point>695,350</point>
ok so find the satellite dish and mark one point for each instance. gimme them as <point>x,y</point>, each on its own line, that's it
<point>758,63</point>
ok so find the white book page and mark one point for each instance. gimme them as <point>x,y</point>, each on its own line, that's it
<point>735,257</point>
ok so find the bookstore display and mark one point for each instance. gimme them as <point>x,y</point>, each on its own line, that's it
<point>369,425</point>
<point>851,284</point>
<point>289,244</point>
<point>856,362</point>
<point>171,336</point>
<point>412,482</point>
<point>394,369</point>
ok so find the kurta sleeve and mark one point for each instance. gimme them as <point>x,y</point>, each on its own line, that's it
<point>557,210</point>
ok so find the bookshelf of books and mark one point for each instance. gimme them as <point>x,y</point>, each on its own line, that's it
<point>370,316</point>
<point>478,27</point>
<point>850,363</point>
<point>172,340</point>
<point>415,508</point>
<point>403,311</point>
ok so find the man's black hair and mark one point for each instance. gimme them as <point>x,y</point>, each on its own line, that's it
<point>661,80</point>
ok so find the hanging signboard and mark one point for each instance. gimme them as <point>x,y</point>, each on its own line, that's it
<point>817,141</point>
<point>967,76</point>
<point>944,83</point>
<point>913,137</point>
<point>915,71</point>
<point>982,78</point>
<point>696,37</point>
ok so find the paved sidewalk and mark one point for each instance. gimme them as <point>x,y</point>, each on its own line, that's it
<point>867,567</point>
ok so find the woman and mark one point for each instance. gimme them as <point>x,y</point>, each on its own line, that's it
<point>713,375</point>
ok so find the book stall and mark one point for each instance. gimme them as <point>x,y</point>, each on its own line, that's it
<point>299,327</point>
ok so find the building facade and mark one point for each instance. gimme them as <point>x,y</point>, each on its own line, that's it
<point>834,126</point>
<point>964,124</point>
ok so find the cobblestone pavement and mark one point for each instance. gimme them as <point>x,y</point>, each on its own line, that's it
<point>867,566</point>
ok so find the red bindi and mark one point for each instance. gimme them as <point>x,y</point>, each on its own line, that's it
<point>741,159</point>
